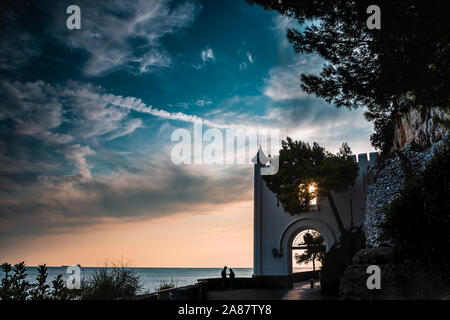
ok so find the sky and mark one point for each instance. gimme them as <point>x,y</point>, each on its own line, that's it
<point>86,119</point>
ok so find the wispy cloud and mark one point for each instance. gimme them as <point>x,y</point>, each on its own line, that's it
<point>77,154</point>
<point>63,194</point>
<point>153,60</point>
<point>249,56</point>
<point>283,82</point>
<point>207,54</point>
<point>130,127</point>
<point>203,102</point>
<point>243,65</point>
<point>129,33</point>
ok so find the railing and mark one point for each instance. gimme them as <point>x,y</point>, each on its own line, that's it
<point>198,290</point>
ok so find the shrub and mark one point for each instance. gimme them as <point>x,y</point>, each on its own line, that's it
<point>417,222</point>
<point>61,292</point>
<point>14,285</point>
<point>111,283</point>
<point>5,289</point>
<point>41,288</point>
<point>338,258</point>
<point>164,285</point>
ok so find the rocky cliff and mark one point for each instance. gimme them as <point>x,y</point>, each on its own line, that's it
<point>420,127</point>
<point>385,178</point>
<point>398,280</point>
<point>417,136</point>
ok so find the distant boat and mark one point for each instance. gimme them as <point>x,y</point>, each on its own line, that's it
<point>78,265</point>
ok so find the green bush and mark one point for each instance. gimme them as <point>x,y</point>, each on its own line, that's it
<point>338,258</point>
<point>417,222</point>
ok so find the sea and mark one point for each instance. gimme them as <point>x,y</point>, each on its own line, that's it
<point>151,278</point>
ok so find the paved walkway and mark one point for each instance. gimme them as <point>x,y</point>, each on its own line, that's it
<point>301,291</point>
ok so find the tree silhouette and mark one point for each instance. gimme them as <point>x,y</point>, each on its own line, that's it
<point>391,70</point>
<point>315,249</point>
<point>302,164</point>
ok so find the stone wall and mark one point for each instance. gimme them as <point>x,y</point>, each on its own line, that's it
<point>385,180</point>
<point>398,280</point>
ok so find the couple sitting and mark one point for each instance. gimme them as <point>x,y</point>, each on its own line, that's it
<point>224,277</point>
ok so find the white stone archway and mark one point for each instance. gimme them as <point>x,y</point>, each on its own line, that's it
<point>274,229</point>
<point>297,226</point>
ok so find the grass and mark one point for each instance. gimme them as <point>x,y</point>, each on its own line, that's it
<point>167,284</point>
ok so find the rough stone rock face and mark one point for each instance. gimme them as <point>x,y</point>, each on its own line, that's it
<point>386,179</point>
<point>420,127</point>
<point>398,280</point>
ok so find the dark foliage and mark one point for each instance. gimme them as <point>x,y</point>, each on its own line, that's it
<point>417,222</point>
<point>315,249</point>
<point>383,136</point>
<point>5,289</point>
<point>111,283</point>
<point>402,65</point>
<point>116,282</point>
<point>18,286</point>
<point>61,292</point>
<point>14,285</point>
<point>302,164</point>
<point>41,288</point>
<point>338,258</point>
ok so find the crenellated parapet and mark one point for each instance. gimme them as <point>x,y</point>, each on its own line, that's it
<point>364,159</point>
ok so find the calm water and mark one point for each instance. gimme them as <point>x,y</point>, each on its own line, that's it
<point>151,277</point>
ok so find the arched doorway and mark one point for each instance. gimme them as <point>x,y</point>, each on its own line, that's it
<point>293,229</point>
<point>307,249</point>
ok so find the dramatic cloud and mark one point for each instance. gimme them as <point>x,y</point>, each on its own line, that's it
<point>34,112</point>
<point>16,49</point>
<point>155,190</point>
<point>18,46</point>
<point>42,193</point>
<point>80,155</point>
